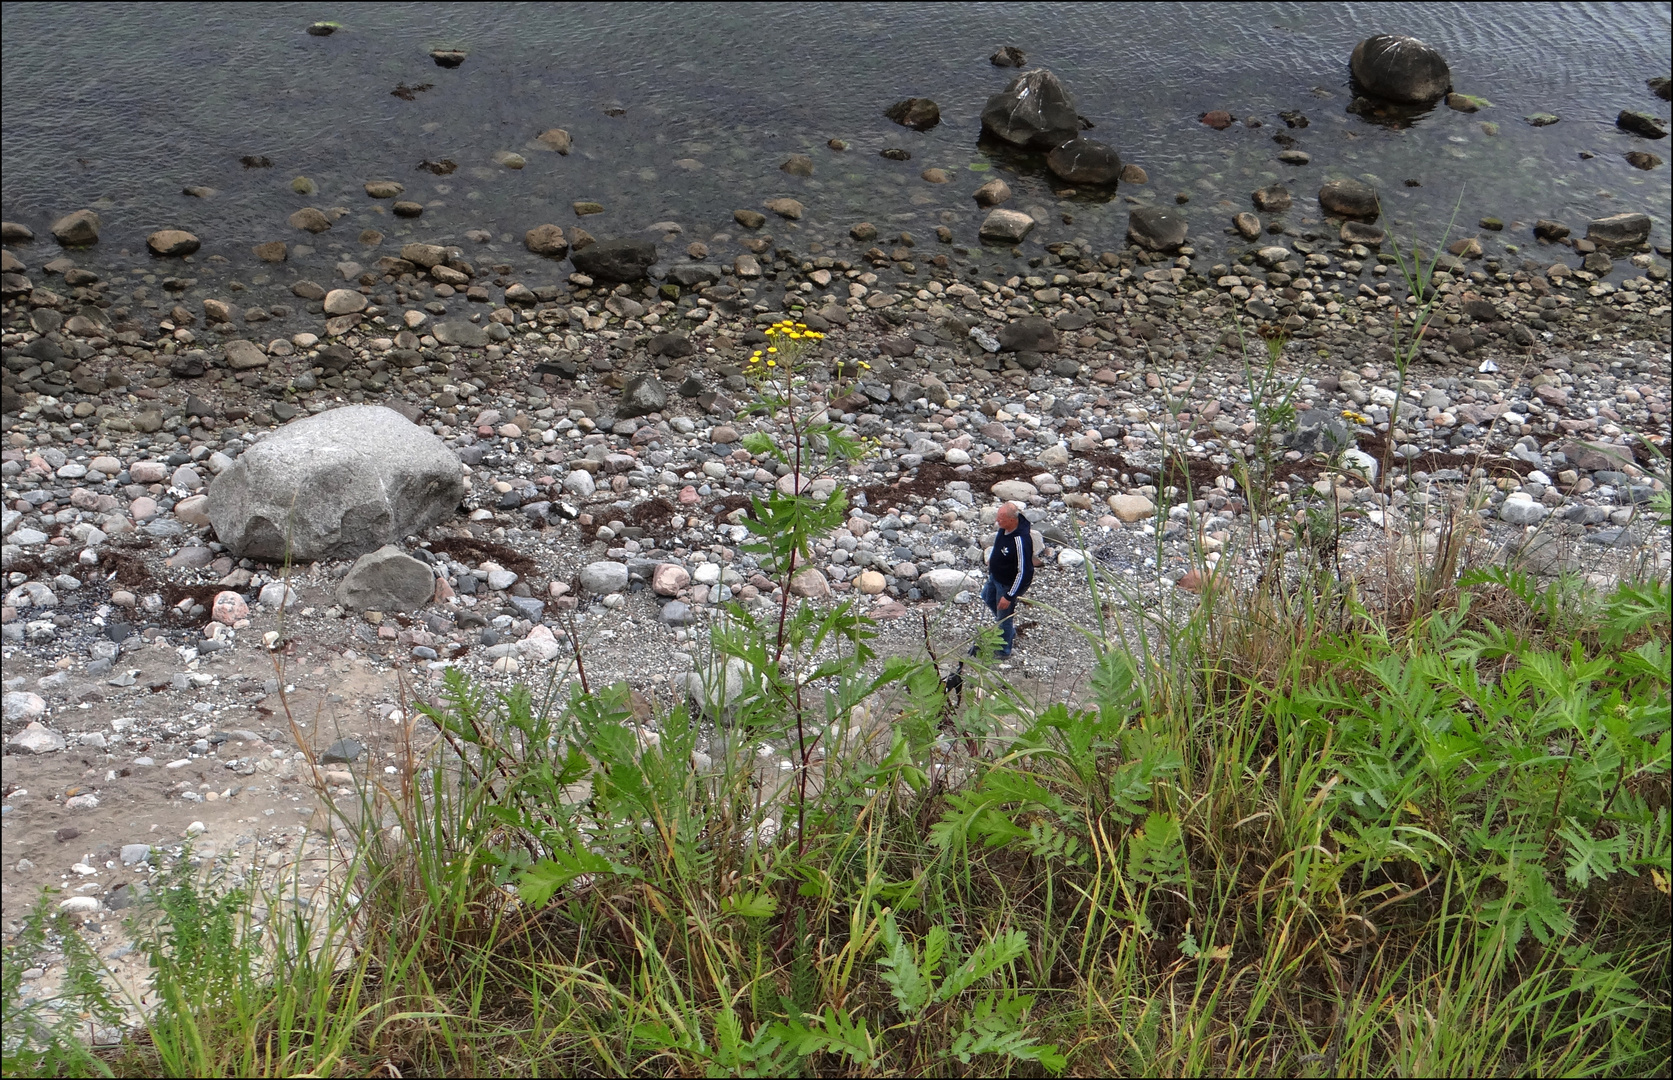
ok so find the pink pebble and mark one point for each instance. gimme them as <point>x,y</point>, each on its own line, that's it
<point>689,496</point>
<point>229,608</point>
<point>143,508</point>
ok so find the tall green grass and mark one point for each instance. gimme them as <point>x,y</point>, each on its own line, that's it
<point>1440,848</point>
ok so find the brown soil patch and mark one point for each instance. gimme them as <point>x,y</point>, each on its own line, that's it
<point>468,549</point>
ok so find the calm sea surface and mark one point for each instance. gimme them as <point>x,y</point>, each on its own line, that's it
<point>118,106</point>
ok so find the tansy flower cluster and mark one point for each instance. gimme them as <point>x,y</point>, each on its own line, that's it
<point>787,338</point>
<point>1356,417</point>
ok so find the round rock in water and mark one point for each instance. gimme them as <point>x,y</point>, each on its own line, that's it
<point>1349,198</point>
<point>1035,110</point>
<point>335,485</point>
<point>1085,161</point>
<point>76,229</point>
<point>1400,69</point>
<point>172,242</point>
<point>919,114</point>
<point>1156,228</point>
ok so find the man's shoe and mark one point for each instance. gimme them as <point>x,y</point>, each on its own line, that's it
<point>973,650</point>
<point>1006,655</point>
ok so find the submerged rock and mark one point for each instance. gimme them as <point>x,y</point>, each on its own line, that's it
<point>1156,228</point>
<point>76,229</point>
<point>172,242</point>
<point>1619,229</point>
<point>1085,161</point>
<point>919,114</point>
<point>1007,226</point>
<point>1641,123</point>
<point>1348,197</point>
<point>1400,69</point>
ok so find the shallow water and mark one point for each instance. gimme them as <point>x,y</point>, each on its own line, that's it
<point>119,106</point>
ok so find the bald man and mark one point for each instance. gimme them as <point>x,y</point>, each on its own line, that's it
<point>1010,571</point>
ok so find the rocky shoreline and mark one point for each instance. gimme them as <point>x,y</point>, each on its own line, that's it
<point>599,410</point>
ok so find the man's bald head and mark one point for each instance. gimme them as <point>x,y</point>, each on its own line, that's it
<point>1006,516</point>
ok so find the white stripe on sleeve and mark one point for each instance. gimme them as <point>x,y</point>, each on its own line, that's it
<point>1022,561</point>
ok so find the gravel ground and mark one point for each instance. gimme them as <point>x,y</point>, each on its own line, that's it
<point>601,426</point>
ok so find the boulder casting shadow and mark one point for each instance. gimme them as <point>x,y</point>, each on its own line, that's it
<point>335,485</point>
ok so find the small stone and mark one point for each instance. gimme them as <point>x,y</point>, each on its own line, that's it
<point>669,578</point>
<point>344,302</point>
<point>35,738</point>
<point>273,251</point>
<point>797,165</point>
<point>310,219</point>
<point>870,582</point>
<point>993,193</point>
<point>1131,508</point>
<point>1014,490</point>
<point>555,139</point>
<point>342,752</point>
<point>546,240</point>
<point>811,584</point>
<point>77,229</point>
<point>172,242</point>
<point>786,208</point>
<point>387,579</point>
<point>604,577</point>
<point>749,219</point>
<point>229,608</point>
<point>384,189</point>
<point>1006,226</point>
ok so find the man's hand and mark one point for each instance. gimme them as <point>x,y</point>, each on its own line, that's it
<point>1004,602</point>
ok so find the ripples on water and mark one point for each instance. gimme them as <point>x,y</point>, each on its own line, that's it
<point>118,106</point>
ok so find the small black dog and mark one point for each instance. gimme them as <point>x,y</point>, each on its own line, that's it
<point>954,685</point>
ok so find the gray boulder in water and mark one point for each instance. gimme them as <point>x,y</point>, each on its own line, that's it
<point>335,485</point>
<point>1034,111</point>
<point>1085,161</point>
<point>1400,69</point>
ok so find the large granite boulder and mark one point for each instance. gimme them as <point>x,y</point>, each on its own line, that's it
<point>1400,69</point>
<point>335,485</point>
<point>1035,111</point>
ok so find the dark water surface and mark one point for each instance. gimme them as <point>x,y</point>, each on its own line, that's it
<point>118,106</point>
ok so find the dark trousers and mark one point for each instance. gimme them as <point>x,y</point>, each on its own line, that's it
<point>992,592</point>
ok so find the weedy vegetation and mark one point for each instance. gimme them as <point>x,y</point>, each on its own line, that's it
<point>1304,828</point>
